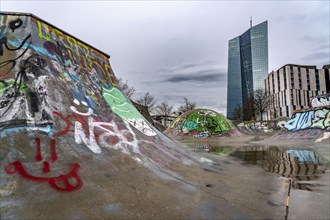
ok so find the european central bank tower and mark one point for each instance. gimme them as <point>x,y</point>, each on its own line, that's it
<point>247,66</point>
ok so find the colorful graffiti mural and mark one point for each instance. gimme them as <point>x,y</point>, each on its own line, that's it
<point>200,123</point>
<point>27,61</point>
<point>313,118</point>
<point>251,127</point>
<point>53,88</point>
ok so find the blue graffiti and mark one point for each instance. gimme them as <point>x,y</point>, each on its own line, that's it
<point>300,120</point>
<point>48,130</point>
<point>190,125</point>
<point>37,49</point>
<point>316,118</point>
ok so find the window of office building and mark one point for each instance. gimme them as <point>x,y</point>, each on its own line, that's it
<point>287,111</point>
<point>273,83</point>
<point>284,78</point>
<point>299,78</point>
<point>291,77</point>
<point>308,80</point>
<point>278,81</point>
<point>317,79</point>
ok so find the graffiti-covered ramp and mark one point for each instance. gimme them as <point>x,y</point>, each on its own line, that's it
<point>307,126</point>
<point>200,123</point>
<point>67,130</point>
<point>73,146</point>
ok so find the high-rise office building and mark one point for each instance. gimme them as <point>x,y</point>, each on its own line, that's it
<point>247,66</point>
<point>291,88</point>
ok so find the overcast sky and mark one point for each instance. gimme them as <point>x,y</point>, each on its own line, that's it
<point>176,49</point>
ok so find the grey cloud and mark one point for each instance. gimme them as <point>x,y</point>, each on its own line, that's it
<point>315,39</point>
<point>200,76</point>
<point>186,66</point>
<point>325,46</point>
<point>317,57</point>
<point>219,104</point>
<point>163,70</point>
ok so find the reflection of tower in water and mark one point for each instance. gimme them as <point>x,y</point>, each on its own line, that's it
<point>299,165</point>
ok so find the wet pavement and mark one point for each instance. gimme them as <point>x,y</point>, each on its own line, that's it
<point>301,175</point>
<point>302,166</point>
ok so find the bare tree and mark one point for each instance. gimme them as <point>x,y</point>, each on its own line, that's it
<point>148,100</point>
<point>249,111</point>
<point>127,89</point>
<point>164,109</point>
<point>186,106</point>
<point>255,105</point>
<point>261,102</point>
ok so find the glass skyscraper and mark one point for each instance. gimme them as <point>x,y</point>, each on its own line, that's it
<point>247,66</point>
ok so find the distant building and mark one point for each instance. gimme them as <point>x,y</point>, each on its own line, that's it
<point>291,87</point>
<point>247,66</point>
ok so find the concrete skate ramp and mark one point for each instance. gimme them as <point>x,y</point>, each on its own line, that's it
<point>74,147</point>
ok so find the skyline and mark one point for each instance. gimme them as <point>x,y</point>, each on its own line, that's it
<point>180,49</point>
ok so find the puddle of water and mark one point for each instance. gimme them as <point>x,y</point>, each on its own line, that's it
<point>302,166</point>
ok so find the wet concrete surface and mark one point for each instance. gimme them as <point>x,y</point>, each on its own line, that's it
<point>292,178</point>
<point>238,181</point>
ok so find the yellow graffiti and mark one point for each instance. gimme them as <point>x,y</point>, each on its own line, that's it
<point>176,121</point>
<point>58,33</point>
<point>87,49</point>
<point>77,49</point>
<point>100,67</point>
<point>40,30</point>
<point>111,76</point>
<point>71,41</point>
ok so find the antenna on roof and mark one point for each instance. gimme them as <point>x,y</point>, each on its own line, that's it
<point>250,21</point>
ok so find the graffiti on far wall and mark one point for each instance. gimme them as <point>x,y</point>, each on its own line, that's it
<point>314,118</point>
<point>320,101</point>
<point>200,123</point>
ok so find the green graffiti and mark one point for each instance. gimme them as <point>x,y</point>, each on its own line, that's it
<point>205,121</point>
<point>120,105</point>
<point>7,84</point>
<point>321,119</point>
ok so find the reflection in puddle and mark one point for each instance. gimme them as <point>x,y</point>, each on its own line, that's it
<point>220,150</point>
<point>212,149</point>
<point>301,166</point>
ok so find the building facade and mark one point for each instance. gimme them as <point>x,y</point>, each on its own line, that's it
<point>291,88</point>
<point>247,66</point>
